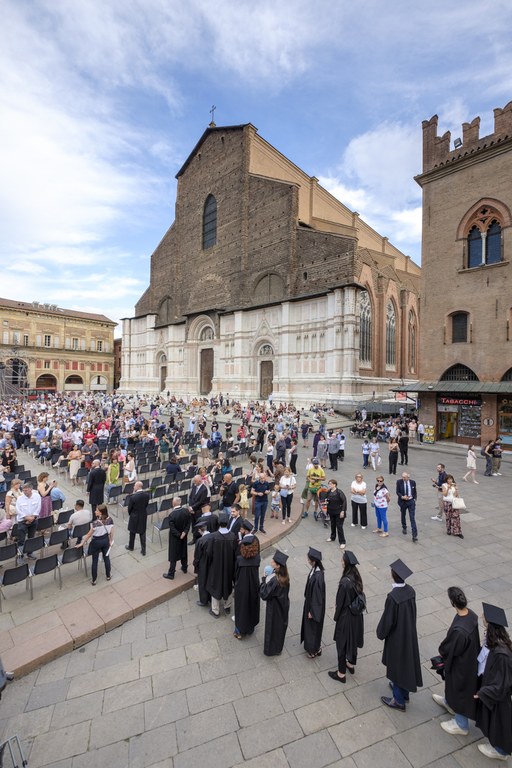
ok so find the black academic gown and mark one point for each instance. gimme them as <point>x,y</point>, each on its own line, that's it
<point>397,627</point>
<point>179,522</point>
<point>96,485</point>
<point>276,617</point>
<point>201,567</point>
<point>314,604</point>
<point>460,650</point>
<point>138,511</point>
<point>221,564</point>
<point>247,594</point>
<point>494,704</point>
<point>349,628</point>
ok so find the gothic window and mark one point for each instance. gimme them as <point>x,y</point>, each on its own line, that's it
<point>459,327</point>
<point>365,328</point>
<point>412,341</point>
<point>459,372</point>
<point>266,350</point>
<point>484,238</point>
<point>507,376</point>
<point>209,222</point>
<point>207,334</point>
<point>390,335</point>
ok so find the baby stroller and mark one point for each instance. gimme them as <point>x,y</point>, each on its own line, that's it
<point>322,506</point>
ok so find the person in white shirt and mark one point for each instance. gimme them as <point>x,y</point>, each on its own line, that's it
<point>28,508</point>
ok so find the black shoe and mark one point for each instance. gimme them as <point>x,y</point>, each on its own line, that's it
<point>262,530</point>
<point>203,605</point>
<point>130,549</point>
<point>391,703</point>
<point>184,570</point>
<point>143,552</point>
<point>334,676</point>
<point>415,539</point>
<point>215,615</point>
<point>9,677</point>
<point>168,575</point>
<point>404,531</point>
<point>460,535</point>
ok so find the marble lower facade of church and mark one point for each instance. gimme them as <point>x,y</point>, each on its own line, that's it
<point>301,351</point>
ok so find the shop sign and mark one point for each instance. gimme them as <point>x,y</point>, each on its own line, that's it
<point>458,401</point>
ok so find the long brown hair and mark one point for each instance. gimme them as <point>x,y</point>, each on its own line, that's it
<point>282,575</point>
<point>352,572</point>
<point>497,636</point>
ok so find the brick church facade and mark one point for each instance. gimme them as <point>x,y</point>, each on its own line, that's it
<point>265,283</point>
<point>465,383</point>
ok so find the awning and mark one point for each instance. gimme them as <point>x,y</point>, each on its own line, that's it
<point>460,387</point>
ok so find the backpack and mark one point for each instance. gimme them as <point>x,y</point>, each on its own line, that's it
<point>482,451</point>
<point>358,604</point>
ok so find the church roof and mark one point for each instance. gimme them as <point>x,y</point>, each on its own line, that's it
<point>211,129</point>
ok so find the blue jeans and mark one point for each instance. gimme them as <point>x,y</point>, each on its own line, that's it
<point>462,721</point>
<point>260,508</point>
<point>410,507</point>
<point>382,518</point>
<point>400,695</point>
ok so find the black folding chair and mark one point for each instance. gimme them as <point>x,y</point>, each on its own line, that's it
<point>74,555</point>
<point>43,523</point>
<point>56,505</point>
<point>14,576</point>
<point>80,530</point>
<point>46,565</point>
<point>63,518</point>
<point>35,544</point>
<point>58,537</point>
<point>9,552</point>
<point>162,525</point>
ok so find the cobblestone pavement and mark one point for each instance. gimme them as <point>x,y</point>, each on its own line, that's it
<point>173,687</point>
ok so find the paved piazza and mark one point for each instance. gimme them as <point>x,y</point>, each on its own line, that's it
<point>173,688</point>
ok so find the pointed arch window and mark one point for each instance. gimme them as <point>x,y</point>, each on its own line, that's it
<point>365,328</point>
<point>390,335</point>
<point>209,222</point>
<point>484,238</point>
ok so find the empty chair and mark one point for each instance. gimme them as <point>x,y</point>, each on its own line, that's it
<point>180,476</point>
<point>154,467</point>
<point>56,505</point>
<point>161,525</point>
<point>58,537</point>
<point>44,523</point>
<point>238,472</point>
<point>9,552</point>
<point>36,543</point>
<point>159,492</point>
<point>156,481</point>
<point>128,488</point>
<point>62,466</point>
<point>143,469</point>
<point>152,508</point>
<point>145,483</point>
<point>14,576</point>
<point>165,505</point>
<point>80,530</point>
<point>185,485</point>
<point>46,565</point>
<point>64,515</point>
<point>114,494</point>
<point>82,474</point>
<point>74,555</point>
<point>214,505</point>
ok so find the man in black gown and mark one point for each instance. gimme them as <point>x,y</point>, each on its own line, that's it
<point>179,526</point>
<point>221,566</point>
<point>201,561</point>
<point>397,627</point>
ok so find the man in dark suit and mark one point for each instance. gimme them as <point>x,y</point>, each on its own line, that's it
<point>179,526</point>
<point>138,516</point>
<point>407,495</point>
<point>236,520</point>
<point>197,498</point>
<point>96,485</point>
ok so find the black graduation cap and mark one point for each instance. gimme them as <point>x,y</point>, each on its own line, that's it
<point>495,615</point>
<point>223,519</point>
<point>350,557</point>
<point>201,523</point>
<point>279,557</point>
<point>314,554</point>
<point>247,525</point>
<point>249,539</point>
<point>400,568</point>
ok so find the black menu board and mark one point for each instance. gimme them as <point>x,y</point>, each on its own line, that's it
<point>469,421</point>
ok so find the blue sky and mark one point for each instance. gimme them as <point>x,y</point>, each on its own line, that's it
<point>101,101</point>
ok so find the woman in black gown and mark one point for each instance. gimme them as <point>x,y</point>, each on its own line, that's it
<point>247,583</point>
<point>274,591</point>
<point>494,703</point>
<point>349,630</point>
<point>314,606</point>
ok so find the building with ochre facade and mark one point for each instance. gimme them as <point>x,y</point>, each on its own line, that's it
<point>266,283</point>
<point>465,384</point>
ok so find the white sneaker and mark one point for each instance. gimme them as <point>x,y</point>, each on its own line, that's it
<point>495,474</point>
<point>329,539</point>
<point>436,517</point>
<point>342,546</point>
<point>284,522</point>
<point>363,527</point>
<point>450,726</point>
<point>442,703</point>
<point>489,751</point>
<point>353,525</point>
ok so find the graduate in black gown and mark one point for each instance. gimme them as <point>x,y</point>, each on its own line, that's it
<point>274,590</point>
<point>459,651</point>
<point>201,561</point>
<point>247,587</point>
<point>397,627</point>
<point>349,629</point>
<point>494,703</point>
<point>313,613</point>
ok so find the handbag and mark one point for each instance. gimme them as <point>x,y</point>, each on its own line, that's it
<point>458,503</point>
<point>358,604</point>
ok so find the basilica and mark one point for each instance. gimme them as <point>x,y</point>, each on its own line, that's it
<point>267,284</point>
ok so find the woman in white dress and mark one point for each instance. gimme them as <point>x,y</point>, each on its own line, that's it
<point>471,465</point>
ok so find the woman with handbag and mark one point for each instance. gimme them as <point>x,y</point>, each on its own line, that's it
<point>349,630</point>
<point>101,536</point>
<point>451,507</point>
<point>287,485</point>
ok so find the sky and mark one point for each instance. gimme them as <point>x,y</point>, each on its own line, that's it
<point>101,101</point>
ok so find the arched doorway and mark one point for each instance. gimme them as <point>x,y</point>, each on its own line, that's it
<point>74,383</point>
<point>162,367</point>
<point>46,381</point>
<point>266,371</point>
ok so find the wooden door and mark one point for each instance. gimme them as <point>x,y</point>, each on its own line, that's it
<point>205,386</point>
<point>266,378</point>
<point>163,376</point>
